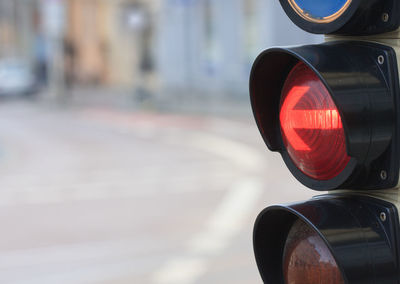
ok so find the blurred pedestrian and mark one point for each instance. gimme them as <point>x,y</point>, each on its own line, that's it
<point>69,62</point>
<point>41,60</point>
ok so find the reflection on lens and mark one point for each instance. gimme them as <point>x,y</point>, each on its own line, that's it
<point>320,11</point>
<point>307,259</point>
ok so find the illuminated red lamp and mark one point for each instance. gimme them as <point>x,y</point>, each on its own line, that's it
<point>334,126</point>
<point>311,126</point>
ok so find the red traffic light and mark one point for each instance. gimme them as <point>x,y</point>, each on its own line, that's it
<point>330,110</point>
<point>311,125</point>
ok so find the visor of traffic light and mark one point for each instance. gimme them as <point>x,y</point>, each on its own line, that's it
<point>328,240</point>
<point>353,17</point>
<point>331,111</point>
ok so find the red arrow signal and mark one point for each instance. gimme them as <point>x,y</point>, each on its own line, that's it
<point>292,119</point>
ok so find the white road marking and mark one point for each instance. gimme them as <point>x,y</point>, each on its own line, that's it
<point>102,187</point>
<point>27,193</point>
<point>224,224</point>
<point>237,152</point>
<point>181,270</point>
<point>83,263</point>
<point>228,219</point>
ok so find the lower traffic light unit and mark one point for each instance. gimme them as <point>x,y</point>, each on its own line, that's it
<point>331,239</point>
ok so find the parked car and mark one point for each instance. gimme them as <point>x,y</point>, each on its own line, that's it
<point>16,78</point>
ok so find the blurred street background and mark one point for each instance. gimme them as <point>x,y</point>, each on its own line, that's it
<point>128,151</point>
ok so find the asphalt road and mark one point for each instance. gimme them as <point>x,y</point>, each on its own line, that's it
<point>99,195</point>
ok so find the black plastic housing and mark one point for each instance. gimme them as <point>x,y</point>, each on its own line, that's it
<point>362,17</point>
<point>363,81</point>
<point>364,247</point>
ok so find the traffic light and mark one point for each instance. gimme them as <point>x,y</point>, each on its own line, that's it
<point>333,113</point>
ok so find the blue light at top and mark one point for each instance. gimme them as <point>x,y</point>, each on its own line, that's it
<point>320,9</point>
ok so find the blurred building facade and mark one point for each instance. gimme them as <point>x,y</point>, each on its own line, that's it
<point>17,27</point>
<point>103,41</point>
<point>187,46</point>
<point>107,39</point>
<point>210,45</point>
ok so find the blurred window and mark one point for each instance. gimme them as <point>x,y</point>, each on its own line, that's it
<point>210,40</point>
<point>250,29</point>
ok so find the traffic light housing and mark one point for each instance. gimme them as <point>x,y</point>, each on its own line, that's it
<point>361,233</point>
<point>333,113</point>
<point>362,80</point>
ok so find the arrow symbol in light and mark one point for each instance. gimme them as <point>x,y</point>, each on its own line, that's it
<point>291,119</point>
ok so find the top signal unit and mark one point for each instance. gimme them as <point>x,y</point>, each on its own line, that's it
<point>349,17</point>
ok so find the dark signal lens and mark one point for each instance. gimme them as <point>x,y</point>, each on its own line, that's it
<point>307,259</point>
<point>311,125</point>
